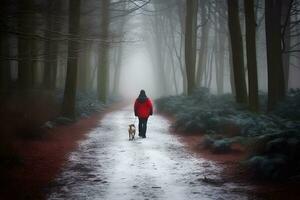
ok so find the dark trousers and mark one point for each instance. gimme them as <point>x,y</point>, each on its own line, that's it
<point>142,126</point>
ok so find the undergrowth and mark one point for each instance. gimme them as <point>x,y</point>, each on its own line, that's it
<point>273,139</point>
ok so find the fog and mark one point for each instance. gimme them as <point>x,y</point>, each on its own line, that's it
<point>125,46</point>
<point>137,73</point>
<point>155,60</point>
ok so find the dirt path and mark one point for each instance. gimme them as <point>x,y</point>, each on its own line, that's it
<point>108,166</point>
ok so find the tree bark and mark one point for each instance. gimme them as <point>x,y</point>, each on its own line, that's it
<point>191,43</point>
<point>221,40</point>
<point>51,47</point>
<point>237,51</point>
<point>69,100</point>
<point>202,53</point>
<point>119,52</point>
<point>102,79</point>
<point>4,63</point>
<point>178,52</point>
<point>118,71</point>
<point>286,40</point>
<point>84,68</point>
<point>230,64</point>
<point>276,89</point>
<point>25,47</point>
<point>159,52</point>
<point>251,54</point>
<point>220,63</point>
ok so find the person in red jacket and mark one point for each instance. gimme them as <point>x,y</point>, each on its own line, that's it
<point>143,109</point>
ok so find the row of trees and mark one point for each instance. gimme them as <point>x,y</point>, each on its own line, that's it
<point>243,45</point>
<point>78,45</point>
<point>69,45</point>
<point>281,20</point>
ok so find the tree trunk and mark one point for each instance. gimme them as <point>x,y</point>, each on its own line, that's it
<point>202,53</point>
<point>25,47</point>
<point>178,53</point>
<point>237,51</point>
<point>231,75</point>
<point>69,100</point>
<point>276,91</point>
<point>84,68</point>
<point>220,63</point>
<point>220,52</point>
<point>119,56</point>
<point>159,53</point>
<point>210,66</point>
<point>286,40</point>
<point>118,71</point>
<point>191,43</point>
<point>102,79</point>
<point>4,63</point>
<point>251,54</point>
<point>36,75</point>
<point>51,47</point>
<point>171,57</point>
<point>286,59</point>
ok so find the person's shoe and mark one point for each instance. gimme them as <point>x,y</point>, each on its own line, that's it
<point>143,136</point>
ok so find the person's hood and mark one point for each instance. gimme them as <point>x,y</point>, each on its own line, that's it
<point>142,98</point>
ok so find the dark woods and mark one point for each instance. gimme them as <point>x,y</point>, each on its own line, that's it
<point>77,45</point>
<point>281,20</point>
<point>242,66</point>
<point>229,63</point>
<point>54,51</point>
<point>51,45</point>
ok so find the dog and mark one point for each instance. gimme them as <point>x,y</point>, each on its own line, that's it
<point>131,131</point>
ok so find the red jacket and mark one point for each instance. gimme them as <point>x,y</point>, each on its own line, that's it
<point>143,108</point>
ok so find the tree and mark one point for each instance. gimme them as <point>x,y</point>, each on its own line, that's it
<point>237,51</point>
<point>202,53</point>
<point>51,46</point>
<point>102,78</point>
<point>285,38</point>
<point>221,41</point>
<point>191,43</point>
<point>251,54</point>
<point>4,62</point>
<point>180,52</point>
<point>119,53</point>
<point>117,73</point>
<point>84,67</point>
<point>68,108</point>
<point>25,43</point>
<point>276,89</point>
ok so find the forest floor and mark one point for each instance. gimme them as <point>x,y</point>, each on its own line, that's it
<point>233,171</point>
<point>93,159</point>
<point>42,158</point>
<point>163,166</point>
<point>231,167</point>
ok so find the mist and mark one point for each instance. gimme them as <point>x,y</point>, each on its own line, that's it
<point>221,81</point>
<point>137,73</point>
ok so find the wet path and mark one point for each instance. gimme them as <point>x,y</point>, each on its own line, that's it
<point>108,166</point>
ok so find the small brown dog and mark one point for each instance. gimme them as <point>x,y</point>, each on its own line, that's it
<point>131,131</point>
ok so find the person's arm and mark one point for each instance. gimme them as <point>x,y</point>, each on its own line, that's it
<point>151,107</point>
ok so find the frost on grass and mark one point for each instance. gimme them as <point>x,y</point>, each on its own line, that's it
<point>87,103</point>
<point>273,139</point>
